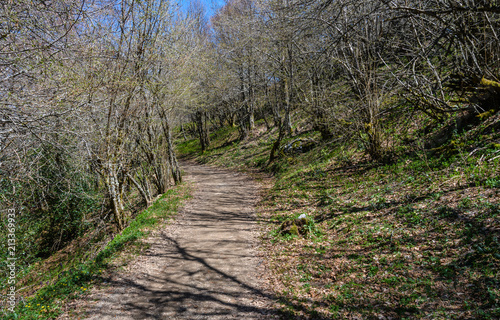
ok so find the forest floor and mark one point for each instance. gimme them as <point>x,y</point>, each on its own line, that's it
<point>413,238</point>
<point>206,265</point>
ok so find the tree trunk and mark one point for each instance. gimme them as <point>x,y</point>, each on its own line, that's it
<point>206,131</point>
<point>172,159</point>
<point>276,144</point>
<point>183,132</point>
<point>201,120</point>
<point>115,197</point>
<point>143,193</point>
<point>288,92</point>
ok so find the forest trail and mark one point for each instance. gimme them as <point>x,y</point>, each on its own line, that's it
<point>203,266</point>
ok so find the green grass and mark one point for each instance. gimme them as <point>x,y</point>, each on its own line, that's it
<point>189,147</point>
<point>48,301</point>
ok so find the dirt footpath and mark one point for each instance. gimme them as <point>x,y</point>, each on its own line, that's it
<point>204,266</point>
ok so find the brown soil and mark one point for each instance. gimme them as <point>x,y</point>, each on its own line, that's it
<point>203,266</point>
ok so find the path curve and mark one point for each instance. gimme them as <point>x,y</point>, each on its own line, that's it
<point>204,266</point>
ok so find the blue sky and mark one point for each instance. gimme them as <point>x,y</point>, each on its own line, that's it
<point>211,6</point>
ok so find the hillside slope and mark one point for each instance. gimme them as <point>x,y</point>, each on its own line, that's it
<point>413,238</point>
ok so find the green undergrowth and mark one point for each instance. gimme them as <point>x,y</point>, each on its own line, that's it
<point>416,237</point>
<point>70,280</point>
